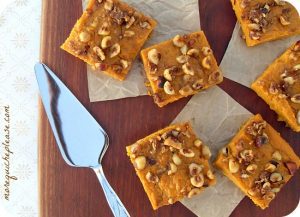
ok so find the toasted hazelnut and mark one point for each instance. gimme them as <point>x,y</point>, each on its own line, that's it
<point>206,51</point>
<point>176,159</point>
<point>269,196</point>
<point>173,143</point>
<point>276,156</point>
<point>276,177</point>
<point>289,80</point>
<point>178,41</point>
<point>261,140</point>
<point>275,190</point>
<point>84,37</point>
<point>198,85</point>
<point>186,91</point>
<point>225,151</point>
<point>270,167</point>
<point>168,88</point>
<point>99,52</point>
<point>193,192</point>
<point>173,169</point>
<point>210,174</point>
<point>106,42</point>
<point>115,50</point>
<point>284,21</point>
<point>152,178</point>
<point>296,67</point>
<point>153,56</point>
<point>130,22</point>
<point>251,168</point>
<point>170,201</point>
<point>193,52</point>
<point>167,74</point>
<point>215,77</point>
<point>129,34</point>
<point>195,169</point>
<point>184,50</point>
<point>296,98</point>
<point>233,166</point>
<point>247,155</point>
<point>104,29</point>
<point>254,35</point>
<point>124,63</point>
<point>145,25</point>
<point>254,26</point>
<point>206,151</point>
<point>140,162</point>
<point>108,5</point>
<point>197,143</point>
<point>206,62</point>
<point>291,166</point>
<point>187,69</point>
<point>182,59</point>
<point>187,152</point>
<point>245,176</point>
<point>197,180</point>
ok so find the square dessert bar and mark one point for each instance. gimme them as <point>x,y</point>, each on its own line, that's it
<point>266,20</point>
<point>171,164</point>
<point>279,86</point>
<point>258,161</point>
<point>180,67</point>
<point>108,36</point>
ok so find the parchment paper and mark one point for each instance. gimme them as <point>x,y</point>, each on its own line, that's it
<point>216,118</point>
<point>174,17</point>
<point>244,64</point>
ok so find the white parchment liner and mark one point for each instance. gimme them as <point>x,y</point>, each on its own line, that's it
<point>244,64</point>
<point>173,17</point>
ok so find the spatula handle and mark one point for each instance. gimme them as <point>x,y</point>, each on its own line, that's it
<point>112,198</point>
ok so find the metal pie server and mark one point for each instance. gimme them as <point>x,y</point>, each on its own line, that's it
<point>81,140</point>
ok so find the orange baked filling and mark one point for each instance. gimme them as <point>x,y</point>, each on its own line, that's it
<point>171,164</point>
<point>258,161</point>
<point>266,20</point>
<point>180,67</point>
<point>108,36</point>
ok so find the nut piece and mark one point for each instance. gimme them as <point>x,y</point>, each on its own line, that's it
<point>251,168</point>
<point>206,151</point>
<point>296,67</point>
<point>168,88</point>
<point>187,69</point>
<point>254,26</point>
<point>173,143</point>
<point>106,42</point>
<point>186,91</point>
<point>187,152</point>
<point>283,21</point>
<point>108,5</point>
<point>104,29</point>
<point>275,190</point>
<point>289,80</point>
<point>206,51</point>
<point>145,25</point>
<point>296,98</point>
<point>197,143</point>
<point>269,196</point>
<point>153,56</point>
<point>270,167</point>
<point>276,156</point>
<point>176,159</point>
<point>198,85</point>
<point>173,169</point>
<point>254,35</point>
<point>195,169</point>
<point>206,62</point>
<point>184,50</point>
<point>124,63</point>
<point>129,34</point>
<point>198,180</point>
<point>276,177</point>
<point>233,166</point>
<point>140,162</point>
<point>193,52</point>
<point>152,178</point>
<point>130,22</point>
<point>115,50</point>
<point>292,167</point>
<point>182,59</point>
<point>84,37</point>
<point>167,74</point>
<point>273,89</point>
<point>210,175</point>
<point>178,41</point>
<point>279,2</point>
<point>193,192</point>
<point>99,52</point>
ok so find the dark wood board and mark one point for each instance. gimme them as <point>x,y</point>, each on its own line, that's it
<point>66,191</point>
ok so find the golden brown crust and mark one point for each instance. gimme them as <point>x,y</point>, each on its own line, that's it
<point>180,67</point>
<point>112,30</point>
<point>162,162</point>
<point>256,159</point>
<point>265,20</point>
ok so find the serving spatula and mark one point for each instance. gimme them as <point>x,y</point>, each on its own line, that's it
<point>80,139</point>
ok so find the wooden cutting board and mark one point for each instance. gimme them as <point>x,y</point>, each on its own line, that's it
<point>66,191</point>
